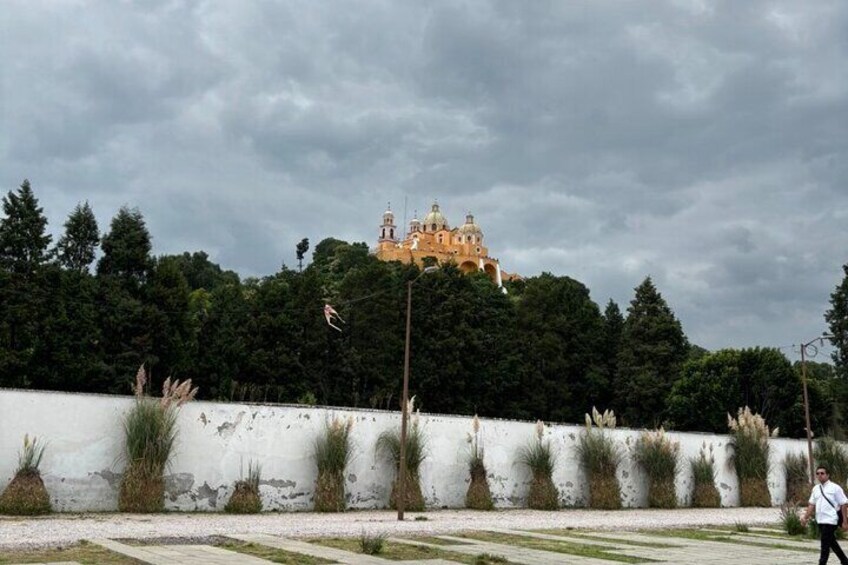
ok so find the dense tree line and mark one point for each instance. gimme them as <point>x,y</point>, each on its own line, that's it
<point>83,314</point>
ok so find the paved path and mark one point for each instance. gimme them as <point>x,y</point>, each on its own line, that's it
<point>730,547</point>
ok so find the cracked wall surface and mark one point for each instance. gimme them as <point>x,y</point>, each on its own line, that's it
<point>82,464</point>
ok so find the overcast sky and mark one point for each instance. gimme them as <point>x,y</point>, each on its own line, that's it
<point>700,142</point>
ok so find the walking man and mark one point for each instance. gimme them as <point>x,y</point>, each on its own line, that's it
<point>828,502</point>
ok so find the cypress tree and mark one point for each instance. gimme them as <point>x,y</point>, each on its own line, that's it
<point>653,349</point>
<point>75,249</point>
<point>837,320</point>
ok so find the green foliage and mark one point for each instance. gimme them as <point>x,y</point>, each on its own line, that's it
<point>837,320</point>
<point>332,454</point>
<point>29,458</point>
<point>77,247</point>
<point>742,527</point>
<point>653,349</point>
<point>831,454</point>
<point>717,383</point>
<point>23,232</point>
<point>790,520</point>
<point>658,457</point>
<point>478,496</point>
<point>371,544</point>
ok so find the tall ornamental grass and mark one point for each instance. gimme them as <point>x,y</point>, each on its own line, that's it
<point>600,456</point>
<point>26,495</point>
<point>245,498</point>
<point>828,452</point>
<point>749,440</point>
<point>150,431</point>
<point>704,491</point>
<point>333,452</point>
<point>388,443</point>
<point>797,478</point>
<point>539,457</point>
<point>659,458</point>
<point>479,496</point>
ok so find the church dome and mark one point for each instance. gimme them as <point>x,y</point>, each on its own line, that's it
<point>435,221</point>
<point>469,227</point>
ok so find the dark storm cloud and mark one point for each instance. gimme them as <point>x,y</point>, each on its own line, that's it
<point>699,142</point>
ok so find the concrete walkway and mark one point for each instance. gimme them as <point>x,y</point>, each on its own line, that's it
<point>731,547</point>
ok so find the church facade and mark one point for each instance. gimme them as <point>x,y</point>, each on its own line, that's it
<point>433,237</point>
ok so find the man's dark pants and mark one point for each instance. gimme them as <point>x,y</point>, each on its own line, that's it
<point>828,542</point>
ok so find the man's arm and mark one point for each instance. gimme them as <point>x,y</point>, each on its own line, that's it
<point>809,514</point>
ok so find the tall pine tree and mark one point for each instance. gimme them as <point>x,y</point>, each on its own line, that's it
<point>75,249</point>
<point>837,320</point>
<point>24,288</point>
<point>653,349</point>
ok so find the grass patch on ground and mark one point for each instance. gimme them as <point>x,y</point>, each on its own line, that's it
<point>404,552</point>
<point>597,552</point>
<point>596,537</point>
<point>730,537</point>
<point>83,552</point>
<point>272,554</point>
<point>436,540</point>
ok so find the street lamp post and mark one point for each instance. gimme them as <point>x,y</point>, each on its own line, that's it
<point>804,347</point>
<point>404,418</point>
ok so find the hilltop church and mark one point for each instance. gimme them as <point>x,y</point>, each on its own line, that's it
<point>433,237</point>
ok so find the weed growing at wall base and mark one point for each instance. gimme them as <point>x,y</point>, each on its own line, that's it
<point>245,498</point>
<point>540,459</point>
<point>659,457</point>
<point>797,477</point>
<point>749,440</point>
<point>478,496</point>
<point>599,458</point>
<point>416,444</point>
<point>704,491</point>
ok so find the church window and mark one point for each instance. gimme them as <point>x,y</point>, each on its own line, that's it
<point>433,227</point>
<point>392,234</point>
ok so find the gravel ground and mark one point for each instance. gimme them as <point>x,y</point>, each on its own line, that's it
<point>64,529</point>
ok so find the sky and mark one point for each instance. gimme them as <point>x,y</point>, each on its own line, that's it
<point>702,143</point>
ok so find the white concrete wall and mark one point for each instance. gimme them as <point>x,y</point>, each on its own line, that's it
<point>82,463</point>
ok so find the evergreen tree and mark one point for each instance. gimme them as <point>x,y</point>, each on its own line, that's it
<point>76,248</point>
<point>653,349</point>
<point>301,250</point>
<point>23,237</point>
<point>613,329</point>
<point>170,320</point>
<point>127,315</point>
<point>126,250</point>
<point>24,286</point>
<point>560,330</point>
<point>837,320</point>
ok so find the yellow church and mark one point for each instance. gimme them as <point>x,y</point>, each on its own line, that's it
<point>433,237</point>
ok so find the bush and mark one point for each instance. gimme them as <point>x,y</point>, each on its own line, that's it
<point>831,454</point>
<point>479,496</point>
<point>332,454</point>
<point>371,544</point>
<point>704,492</point>
<point>790,520</point>
<point>389,443</point>
<point>150,430</point>
<point>749,441</point>
<point>26,495</point>
<point>599,458</point>
<point>659,458</point>
<point>245,498</point>
<point>540,459</point>
<point>797,478</point>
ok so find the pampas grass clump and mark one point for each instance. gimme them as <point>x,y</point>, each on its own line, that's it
<point>750,443</point>
<point>797,478</point>
<point>658,457</point>
<point>599,458</point>
<point>704,491</point>
<point>416,444</point>
<point>831,454</point>
<point>150,431</point>
<point>26,495</point>
<point>245,498</point>
<point>332,454</point>
<point>540,459</point>
<point>479,495</point>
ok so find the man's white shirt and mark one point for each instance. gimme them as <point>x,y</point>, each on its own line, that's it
<point>825,513</point>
